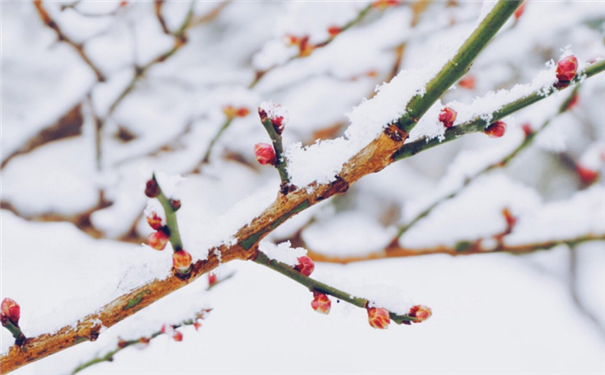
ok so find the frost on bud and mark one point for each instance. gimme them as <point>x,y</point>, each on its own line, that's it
<point>468,82</point>
<point>274,112</point>
<point>211,278</point>
<point>181,261</point>
<point>11,311</point>
<point>527,129</point>
<point>152,189</point>
<point>567,68</point>
<point>158,240</point>
<point>384,4</point>
<point>520,10</point>
<point>447,116</point>
<point>321,303</point>
<point>379,318</point>
<point>154,220</point>
<point>587,176</point>
<point>334,30</point>
<point>305,265</point>
<point>496,130</point>
<point>421,313</point>
<point>265,154</point>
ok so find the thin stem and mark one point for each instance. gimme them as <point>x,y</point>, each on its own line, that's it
<point>502,163</point>
<point>15,330</point>
<point>478,124</point>
<point>171,220</point>
<point>218,134</point>
<point>459,64</point>
<point>280,161</point>
<point>318,286</point>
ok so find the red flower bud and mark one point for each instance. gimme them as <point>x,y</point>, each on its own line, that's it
<point>181,261</point>
<point>123,3</point>
<point>420,312</point>
<point>158,240</point>
<point>527,129</point>
<point>211,278</point>
<point>265,154</point>
<point>334,30</point>
<point>384,4</point>
<point>573,102</point>
<point>154,221</point>
<point>175,204</point>
<point>305,265</point>
<point>587,175</point>
<point>496,130</point>
<point>197,326</point>
<point>152,189</point>
<point>278,124</point>
<point>178,336</point>
<point>379,318</point>
<point>321,303</point>
<point>242,112</point>
<point>447,116</point>
<point>305,48</point>
<point>11,311</point>
<point>510,219</point>
<point>567,68</point>
<point>468,82</point>
<point>291,40</point>
<point>520,10</point>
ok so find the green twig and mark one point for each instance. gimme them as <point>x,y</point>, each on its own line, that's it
<point>318,286</point>
<point>280,161</point>
<point>15,330</point>
<point>171,220</point>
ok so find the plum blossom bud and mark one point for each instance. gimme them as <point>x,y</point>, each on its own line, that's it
<point>305,265</point>
<point>175,204</point>
<point>573,102</point>
<point>496,130</point>
<point>211,278</point>
<point>181,261</point>
<point>123,3</point>
<point>178,336</point>
<point>421,313</point>
<point>384,4</point>
<point>169,331</point>
<point>509,218</point>
<point>142,344</point>
<point>154,220</point>
<point>527,129</point>
<point>520,10</point>
<point>242,112</point>
<point>274,112</point>
<point>468,82</point>
<point>447,116</point>
<point>334,30</point>
<point>379,318</point>
<point>10,311</point>
<point>158,240</point>
<point>321,303</point>
<point>587,176</point>
<point>567,68</point>
<point>197,326</point>
<point>265,154</point>
<point>152,189</point>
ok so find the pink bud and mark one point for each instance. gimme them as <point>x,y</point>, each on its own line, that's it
<point>420,312</point>
<point>567,68</point>
<point>334,30</point>
<point>154,221</point>
<point>384,4</point>
<point>321,303</point>
<point>11,311</point>
<point>178,336</point>
<point>211,278</point>
<point>587,175</point>
<point>305,265</point>
<point>468,82</point>
<point>278,124</point>
<point>181,261</point>
<point>379,318</point>
<point>447,116</point>
<point>496,130</point>
<point>520,10</point>
<point>197,326</point>
<point>265,154</point>
<point>242,112</point>
<point>527,129</point>
<point>158,240</point>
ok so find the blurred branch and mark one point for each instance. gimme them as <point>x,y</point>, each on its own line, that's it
<point>318,286</point>
<point>529,138</point>
<point>49,22</point>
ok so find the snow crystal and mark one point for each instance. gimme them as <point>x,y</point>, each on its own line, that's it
<point>275,110</point>
<point>283,252</point>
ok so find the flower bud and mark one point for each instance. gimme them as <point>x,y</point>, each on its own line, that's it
<point>11,311</point>
<point>334,30</point>
<point>211,278</point>
<point>527,129</point>
<point>567,68</point>
<point>242,112</point>
<point>175,204</point>
<point>379,318</point>
<point>265,154</point>
<point>321,303</point>
<point>447,116</point>
<point>154,221</point>
<point>181,261</point>
<point>305,265</point>
<point>278,124</point>
<point>420,312</point>
<point>142,344</point>
<point>510,219</point>
<point>384,4</point>
<point>158,240</point>
<point>520,10</point>
<point>587,176</point>
<point>178,336</point>
<point>229,111</point>
<point>496,130</point>
<point>152,189</point>
<point>123,3</point>
<point>573,102</point>
<point>468,82</point>
<point>197,326</point>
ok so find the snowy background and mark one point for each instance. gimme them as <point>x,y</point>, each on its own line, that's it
<point>76,153</point>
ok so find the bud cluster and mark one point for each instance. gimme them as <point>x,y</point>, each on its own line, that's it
<point>304,47</point>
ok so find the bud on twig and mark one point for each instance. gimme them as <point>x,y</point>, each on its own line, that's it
<point>379,318</point>
<point>211,278</point>
<point>587,176</point>
<point>305,265</point>
<point>520,10</point>
<point>421,313</point>
<point>181,261</point>
<point>496,130</point>
<point>384,4</point>
<point>321,303</point>
<point>152,189</point>
<point>334,31</point>
<point>567,68</point>
<point>265,154</point>
<point>158,240</point>
<point>11,311</point>
<point>527,129</point>
<point>447,116</point>
<point>468,82</point>
<point>154,221</point>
